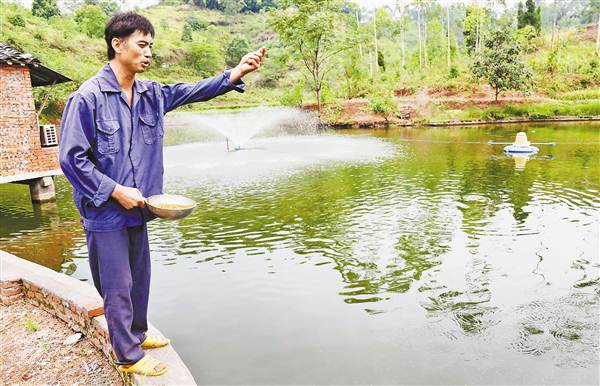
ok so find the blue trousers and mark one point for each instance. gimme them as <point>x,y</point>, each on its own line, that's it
<point>120,265</point>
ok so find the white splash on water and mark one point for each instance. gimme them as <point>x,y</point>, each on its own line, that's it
<point>267,158</point>
<point>240,126</point>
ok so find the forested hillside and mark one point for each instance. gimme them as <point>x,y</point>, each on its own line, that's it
<point>423,46</point>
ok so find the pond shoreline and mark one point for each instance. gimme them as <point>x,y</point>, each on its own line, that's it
<point>388,124</point>
<point>357,113</point>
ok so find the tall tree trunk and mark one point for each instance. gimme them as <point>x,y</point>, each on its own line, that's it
<point>553,27</point>
<point>598,37</point>
<point>403,47</point>
<point>448,31</point>
<point>477,26</point>
<point>371,63</point>
<point>375,41</point>
<point>358,29</point>
<point>420,38</point>
<point>425,59</point>
<point>318,92</point>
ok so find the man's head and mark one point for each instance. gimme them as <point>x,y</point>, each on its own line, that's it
<point>129,39</point>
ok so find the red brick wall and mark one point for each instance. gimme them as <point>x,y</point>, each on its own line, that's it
<point>20,147</point>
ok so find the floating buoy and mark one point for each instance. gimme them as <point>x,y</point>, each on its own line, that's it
<point>521,149</point>
<point>521,145</point>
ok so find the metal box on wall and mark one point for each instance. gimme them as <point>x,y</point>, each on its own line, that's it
<point>48,135</point>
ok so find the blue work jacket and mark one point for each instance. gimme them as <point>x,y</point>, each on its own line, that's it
<point>105,142</point>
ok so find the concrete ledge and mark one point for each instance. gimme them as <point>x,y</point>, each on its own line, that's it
<point>80,306</point>
<point>30,176</point>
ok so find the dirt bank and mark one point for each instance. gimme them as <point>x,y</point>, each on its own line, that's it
<point>34,352</point>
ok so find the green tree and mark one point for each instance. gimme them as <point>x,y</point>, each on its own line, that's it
<point>108,7</point>
<point>236,48</point>
<point>527,37</point>
<point>311,30</point>
<point>531,16</point>
<point>91,20</point>
<point>232,7</point>
<point>476,18</point>
<point>44,8</point>
<point>499,63</point>
<point>520,16</point>
<point>436,44</point>
<point>591,12</point>
<point>355,74</point>
<point>205,57</point>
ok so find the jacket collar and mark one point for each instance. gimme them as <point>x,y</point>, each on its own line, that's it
<point>108,81</point>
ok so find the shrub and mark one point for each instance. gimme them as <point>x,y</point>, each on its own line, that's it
<point>515,111</point>
<point>235,49</point>
<point>494,113</point>
<point>195,23</point>
<point>16,20</point>
<point>527,37</point>
<point>383,105</point>
<point>186,35</point>
<point>205,58</point>
<point>164,24</point>
<point>537,116</point>
<point>327,94</point>
<point>453,73</point>
<point>91,20</point>
<point>293,95</point>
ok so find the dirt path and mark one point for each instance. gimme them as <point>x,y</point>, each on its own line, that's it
<point>33,352</point>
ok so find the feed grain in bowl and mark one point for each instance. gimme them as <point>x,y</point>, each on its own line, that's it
<point>170,206</point>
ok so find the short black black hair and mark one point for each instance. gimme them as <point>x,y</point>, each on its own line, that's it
<point>123,24</point>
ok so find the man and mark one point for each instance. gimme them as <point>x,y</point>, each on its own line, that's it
<point>111,152</point>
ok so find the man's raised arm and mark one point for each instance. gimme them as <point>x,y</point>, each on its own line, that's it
<point>179,94</point>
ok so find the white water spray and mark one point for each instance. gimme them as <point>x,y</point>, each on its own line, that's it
<point>241,126</point>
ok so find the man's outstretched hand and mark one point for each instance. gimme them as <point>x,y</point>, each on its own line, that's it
<point>250,62</point>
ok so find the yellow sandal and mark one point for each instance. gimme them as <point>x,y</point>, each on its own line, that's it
<point>155,341</point>
<point>145,366</point>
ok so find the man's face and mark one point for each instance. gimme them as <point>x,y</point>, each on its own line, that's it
<point>134,51</point>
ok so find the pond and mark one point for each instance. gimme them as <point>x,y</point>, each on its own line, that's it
<point>397,256</point>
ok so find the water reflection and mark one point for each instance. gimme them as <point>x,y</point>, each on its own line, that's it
<point>565,329</point>
<point>444,235</point>
<point>47,233</point>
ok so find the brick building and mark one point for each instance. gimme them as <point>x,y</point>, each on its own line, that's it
<point>28,152</point>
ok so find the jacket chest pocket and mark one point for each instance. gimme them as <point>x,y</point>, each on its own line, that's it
<point>107,136</point>
<point>151,128</point>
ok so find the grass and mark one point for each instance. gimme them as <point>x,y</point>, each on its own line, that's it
<point>30,326</point>
<point>578,95</point>
<point>526,111</point>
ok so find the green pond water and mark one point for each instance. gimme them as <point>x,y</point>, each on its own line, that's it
<point>398,256</point>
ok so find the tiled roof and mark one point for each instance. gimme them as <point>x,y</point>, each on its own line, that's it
<point>11,56</point>
<point>40,75</point>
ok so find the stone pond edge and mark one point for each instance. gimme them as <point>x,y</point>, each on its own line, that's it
<point>408,123</point>
<point>79,305</point>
